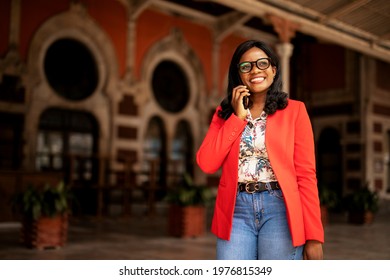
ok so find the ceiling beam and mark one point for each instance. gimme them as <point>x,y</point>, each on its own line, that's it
<point>314,28</point>
<point>228,23</point>
<point>184,11</point>
<point>347,8</point>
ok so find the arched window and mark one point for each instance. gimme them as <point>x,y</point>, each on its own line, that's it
<point>170,86</point>
<point>71,69</point>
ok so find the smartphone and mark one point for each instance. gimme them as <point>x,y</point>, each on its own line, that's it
<point>245,101</point>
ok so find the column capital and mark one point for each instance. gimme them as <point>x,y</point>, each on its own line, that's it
<point>284,49</point>
<point>285,28</point>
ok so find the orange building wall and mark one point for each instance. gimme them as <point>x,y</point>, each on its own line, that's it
<point>33,14</point>
<point>5,11</point>
<point>112,17</point>
<point>153,26</point>
<point>114,23</point>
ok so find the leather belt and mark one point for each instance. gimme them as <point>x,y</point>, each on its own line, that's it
<point>253,187</point>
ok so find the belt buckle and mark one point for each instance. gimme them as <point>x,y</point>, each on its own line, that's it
<point>256,188</point>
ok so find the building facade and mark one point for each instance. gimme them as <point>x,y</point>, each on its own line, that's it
<point>117,92</point>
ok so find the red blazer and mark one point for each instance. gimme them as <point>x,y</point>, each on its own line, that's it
<point>290,146</point>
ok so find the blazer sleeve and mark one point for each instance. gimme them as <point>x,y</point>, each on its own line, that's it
<point>218,141</point>
<point>305,167</point>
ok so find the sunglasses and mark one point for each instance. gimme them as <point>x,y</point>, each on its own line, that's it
<point>246,66</point>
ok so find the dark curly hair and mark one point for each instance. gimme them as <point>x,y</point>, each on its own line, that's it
<point>276,99</point>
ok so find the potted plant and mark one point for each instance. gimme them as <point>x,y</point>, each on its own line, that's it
<point>44,213</point>
<point>187,208</point>
<point>362,206</point>
<point>328,201</point>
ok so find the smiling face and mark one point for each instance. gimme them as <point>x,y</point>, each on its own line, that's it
<point>257,80</point>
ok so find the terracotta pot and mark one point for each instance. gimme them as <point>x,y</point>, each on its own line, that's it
<point>361,217</point>
<point>46,232</point>
<point>369,217</point>
<point>189,221</point>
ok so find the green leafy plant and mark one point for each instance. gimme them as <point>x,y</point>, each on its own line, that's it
<point>328,197</point>
<point>48,201</point>
<point>188,193</point>
<point>363,200</point>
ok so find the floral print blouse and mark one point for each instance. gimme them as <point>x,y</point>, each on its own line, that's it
<point>253,163</point>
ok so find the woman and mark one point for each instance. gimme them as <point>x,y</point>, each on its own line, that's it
<point>267,205</point>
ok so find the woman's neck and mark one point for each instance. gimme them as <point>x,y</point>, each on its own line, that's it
<point>258,100</point>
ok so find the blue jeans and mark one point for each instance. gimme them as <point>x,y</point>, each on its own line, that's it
<point>260,230</point>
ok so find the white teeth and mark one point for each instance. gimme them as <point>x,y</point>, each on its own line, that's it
<point>259,79</point>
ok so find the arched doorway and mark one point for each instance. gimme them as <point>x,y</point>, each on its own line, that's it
<point>168,141</point>
<point>329,161</point>
<point>67,142</point>
<point>155,154</point>
<point>182,149</point>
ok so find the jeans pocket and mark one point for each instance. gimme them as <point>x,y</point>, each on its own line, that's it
<point>278,194</point>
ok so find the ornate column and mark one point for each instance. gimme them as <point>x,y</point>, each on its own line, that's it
<point>135,8</point>
<point>286,31</point>
<point>15,24</point>
<point>284,51</point>
<point>11,63</point>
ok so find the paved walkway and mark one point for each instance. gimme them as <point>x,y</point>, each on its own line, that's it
<point>143,238</point>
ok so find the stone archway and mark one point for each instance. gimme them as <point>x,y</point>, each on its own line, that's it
<point>174,52</point>
<point>78,26</point>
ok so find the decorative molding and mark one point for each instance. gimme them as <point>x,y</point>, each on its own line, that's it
<point>141,93</point>
<point>286,29</point>
<point>229,23</point>
<point>12,64</point>
<point>136,7</point>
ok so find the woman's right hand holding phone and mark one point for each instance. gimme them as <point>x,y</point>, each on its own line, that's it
<point>237,101</point>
